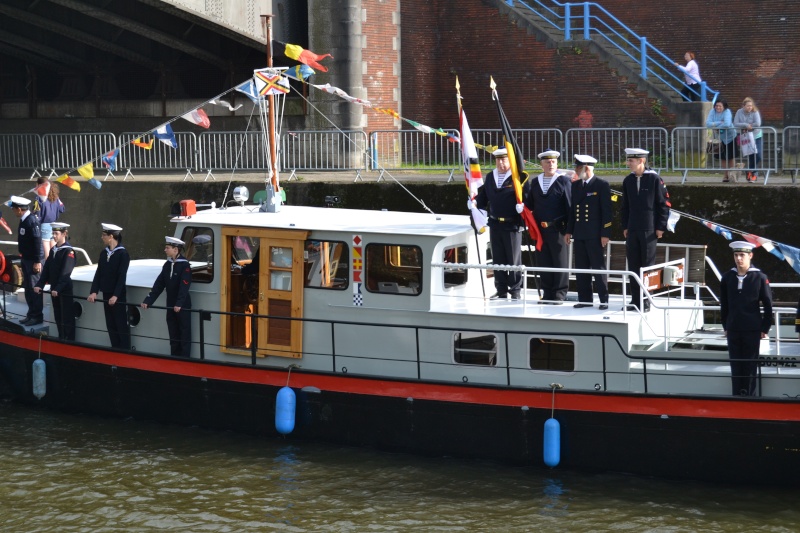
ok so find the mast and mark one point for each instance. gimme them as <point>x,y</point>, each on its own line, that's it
<point>266,21</point>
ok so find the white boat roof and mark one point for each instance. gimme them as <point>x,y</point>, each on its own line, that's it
<point>334,219</point>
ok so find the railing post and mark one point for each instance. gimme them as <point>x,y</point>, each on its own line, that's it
<point>644,58</point>
<point>373,149</point>
<point>510,3</point>
<point>586,28</point>
<point>567,36</point>
<point>703,89</point>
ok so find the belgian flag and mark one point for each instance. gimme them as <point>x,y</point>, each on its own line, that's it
<point>298,53</point>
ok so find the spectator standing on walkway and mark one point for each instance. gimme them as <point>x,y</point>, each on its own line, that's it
<point>743,290</point>
<point>50,209</point>
<point>645,211</point>
<point>691,74</point>
<point>498,198</point>
<point>111,278</point>
<point>29,241</point>
<point>548,196</point>
<point>57,272</point>
<point>589,228</point>
<point>721,120</point>
<point>748,119</point>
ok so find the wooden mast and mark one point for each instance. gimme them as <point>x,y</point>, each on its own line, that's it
<point>266,21</point>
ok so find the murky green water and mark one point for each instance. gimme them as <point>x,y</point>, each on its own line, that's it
<point>64,473</point>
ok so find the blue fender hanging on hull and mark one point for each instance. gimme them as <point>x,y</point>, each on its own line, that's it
<point>39,378</point>
<point>285,405</point>
<point>552,442</point>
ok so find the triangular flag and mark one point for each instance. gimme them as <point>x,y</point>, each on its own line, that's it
<point>225,103</point>
<point>764,243</point>
<point>69,182</point>
<point>249,89</point>
<point>94,183</point>
<point>110,160</point>
<point>300,72</point>
<point>674,216</point>
<point>718,230</point>
<point>166,135</point>
<point>791,254</point>
<point>298,53</point>
<point>87,170</point>
<point>199,117</point>
<point>146,145</point>
<point>43,190</point>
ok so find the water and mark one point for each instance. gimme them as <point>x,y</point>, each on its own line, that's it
<point>71,473</point>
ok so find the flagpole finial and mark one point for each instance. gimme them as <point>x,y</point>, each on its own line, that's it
<point>492,84</point>
<point>458,85</point>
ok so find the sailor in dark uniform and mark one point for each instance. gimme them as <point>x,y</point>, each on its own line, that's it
<point>645,211</point>
<point>589,227</point>
<point>176,278</point>
<point>498,198</point>
<point>29,241</point>
<point>111,278</point>
<point>57,272</point>
<point>743,290</point>
<point>548,196</point>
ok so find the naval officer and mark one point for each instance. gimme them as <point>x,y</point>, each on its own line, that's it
<point>29,241</point>
<point>645,211</point>
<point>111,278</point>
<point>57,272</point>
<point>176,278</point>
<point>549,196</point>
<point>497,197</point>
<point>589,227</point>
<point>743,290</point>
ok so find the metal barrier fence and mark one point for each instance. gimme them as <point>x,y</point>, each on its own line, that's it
<point>232,150</point>
<point>323,150</point>
<point>607,145</point>
<point>66,151</point>
<point>22,150</point>
<point>790,150</point>
<point>531,142</point>
<point>689,153</point>
<point>413,150</point>
<point>160,156</point>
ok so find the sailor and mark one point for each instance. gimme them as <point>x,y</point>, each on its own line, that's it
<point>111,278</point>
<point>498,197</point>
<point>743,289</point>
<point>29,241</point>
<point>645,211</point>
<point>548,196</point>
<point>590,229</point>
<point>57,272</point>
<point>176,278</point>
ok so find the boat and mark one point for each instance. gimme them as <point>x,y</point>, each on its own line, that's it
<point>380,325</point>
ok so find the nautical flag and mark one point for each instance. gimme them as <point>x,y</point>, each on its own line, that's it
<point>199,117</point>
<point>146,145</point>
<point>166,135</point>
<point>717,229</point>
<point>488,148</point>
<point>299,72</point>
<point>87,170</point>
<point>5,225</point>
<point>43,190</point>
<point>390,112</point>
<point>248,88</point>
<point>472,168</point>
<point>110,160</point>
<point>791,254</point>
<point>516,160</point>
<point>764,243</point>
<point>69,182</point>
<point>225,103</point>
<point>674,216</point>
<point>298,53</point>
<point>328,88</point>
<point>269,81</point>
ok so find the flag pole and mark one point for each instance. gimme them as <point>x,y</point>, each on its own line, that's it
<point>273,155</point>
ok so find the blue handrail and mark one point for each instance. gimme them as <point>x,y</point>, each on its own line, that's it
<point>594,19</point>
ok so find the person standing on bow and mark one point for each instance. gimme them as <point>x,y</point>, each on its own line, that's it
<point>549,196</point>
<point>111,278</point>
<point>57,272</point>
<point>589,228</point>
<point>497,197</point>
<point>176,278</point>
<point>29,241</point>
<point>645,211</point>
<point>743,290</point>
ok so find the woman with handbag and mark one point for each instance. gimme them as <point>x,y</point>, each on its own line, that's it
<point>721,119</point>
<point>748,120</point>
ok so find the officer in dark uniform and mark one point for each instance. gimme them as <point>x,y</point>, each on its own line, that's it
<point>57,271</point>
<point>590,230</point>
<point>29,241</point>
<point>743,290</point>
<point>548,196</point>
<point>498,198</point>
<point>645,211</point>
<point>111,278</point>
<point>176,277</point>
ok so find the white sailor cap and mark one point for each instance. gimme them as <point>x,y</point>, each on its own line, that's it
<point>636,153</point>
<point>59,226</point>
<point>581,160</point>
<point>173,241</point>
<point>742,246</point>
<point>110,228</point>
<point>18,201</point>
<point>500,152</point>
<point>549,154</point>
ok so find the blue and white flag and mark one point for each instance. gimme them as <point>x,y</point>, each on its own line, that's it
<point>673,219</point>
<point>166,136</point>
<point>249,89</point>
<point>791,254</point>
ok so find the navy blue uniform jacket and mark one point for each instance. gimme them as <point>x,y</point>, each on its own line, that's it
<point>740,309</point>
<point>112,273</point>
<point>29,239</point>
<point>58,268</point>
<point>552,208</point>
<point>500,203</point>
<point>648,208</point>
<point>591,206</point>
<point>176,277</point>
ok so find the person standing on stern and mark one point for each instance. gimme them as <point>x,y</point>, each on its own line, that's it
<point>549,197</point>
<point>111,278</point>
<point>645,211</point>
<point>497,197</point>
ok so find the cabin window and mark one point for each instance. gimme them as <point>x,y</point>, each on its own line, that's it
<point>199,250</point>
<point>552,354</point>
<point>394,269</point>
<point>455,276</point>
<point>326,265</point>
<point>475,348</point>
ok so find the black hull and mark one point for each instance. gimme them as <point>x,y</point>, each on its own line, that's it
<point>241,398</point>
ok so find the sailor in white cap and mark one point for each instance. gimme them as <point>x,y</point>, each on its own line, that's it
<point>57,272</point>
<point>743,290</point>
<point>29,241</point>
<point>645,212</point>
<point>498,198</point>
<point>548,196</point>
<point>176,278</point>
<point>111,278</point>
<point>589,227</point>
